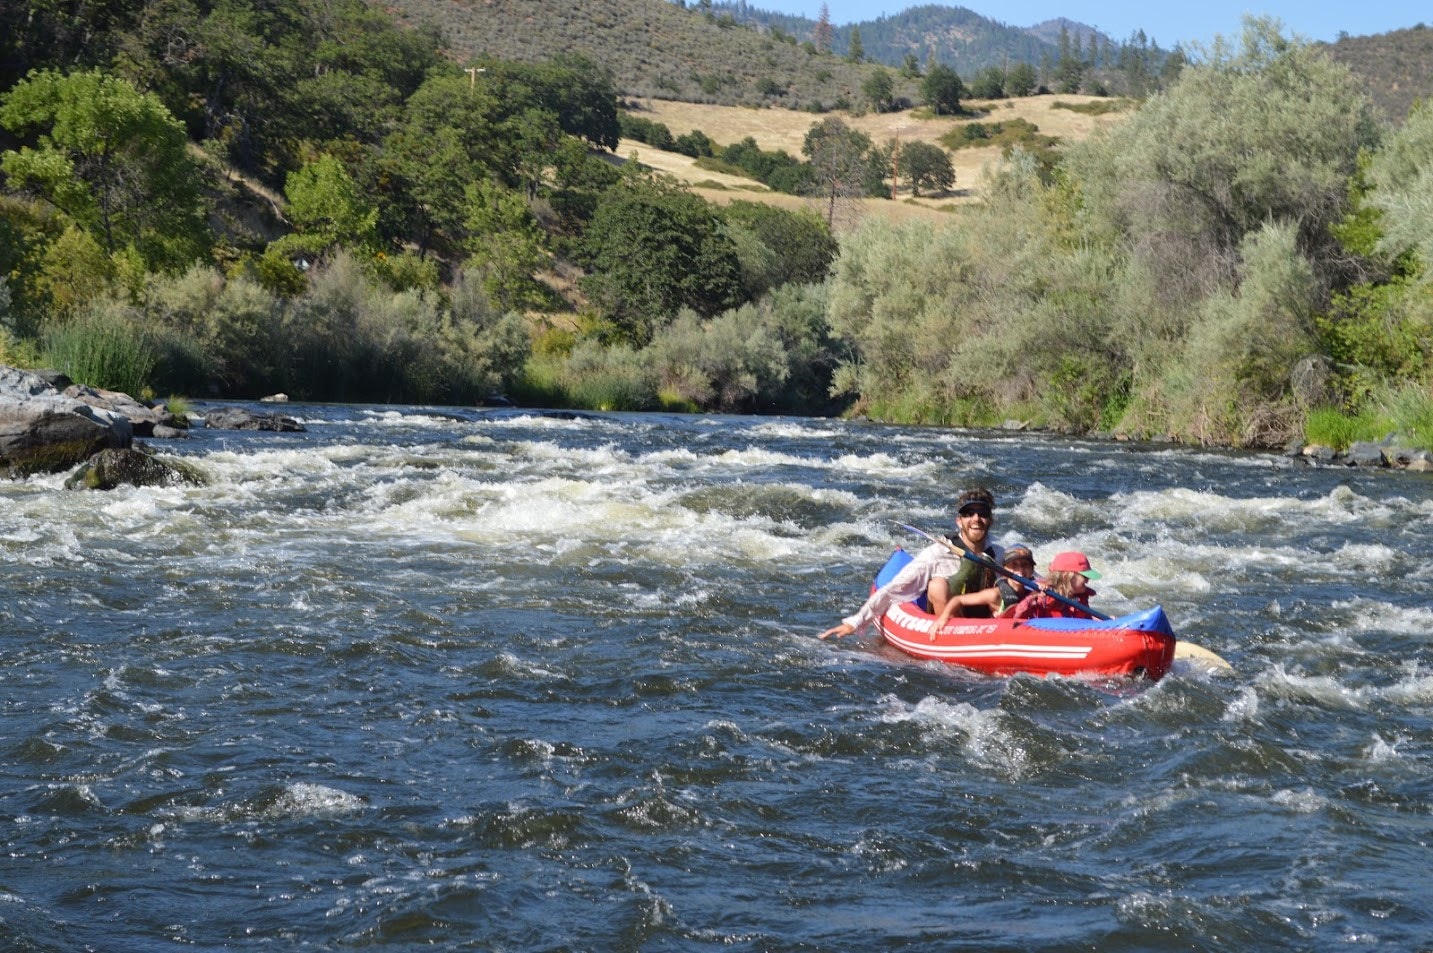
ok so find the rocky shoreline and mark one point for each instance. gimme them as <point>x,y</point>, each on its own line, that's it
<point>49,424</point>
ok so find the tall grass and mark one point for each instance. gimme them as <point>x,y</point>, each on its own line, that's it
<point>1330,427</point>
<point>105,349</point>
<point>1404,412</point>
<point>1410,408</point>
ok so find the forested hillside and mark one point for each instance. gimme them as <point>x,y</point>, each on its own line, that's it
<point>651,48</point>
<point>735,53</point>
<point>1396,66</point>
<point>1063,53</point>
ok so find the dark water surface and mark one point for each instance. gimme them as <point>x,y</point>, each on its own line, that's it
<point>522,683</point>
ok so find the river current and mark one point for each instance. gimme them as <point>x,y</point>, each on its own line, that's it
<point>507,681</point>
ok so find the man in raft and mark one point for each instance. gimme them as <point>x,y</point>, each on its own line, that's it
<point>935,571</point>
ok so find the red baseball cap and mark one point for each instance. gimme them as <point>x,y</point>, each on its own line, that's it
<point>1073,562</point>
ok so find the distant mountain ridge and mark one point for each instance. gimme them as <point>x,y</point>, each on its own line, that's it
<point>956,36</point>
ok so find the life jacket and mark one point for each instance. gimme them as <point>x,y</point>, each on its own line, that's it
<point>1042,606</point>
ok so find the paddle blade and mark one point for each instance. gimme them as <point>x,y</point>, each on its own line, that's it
<point>1199,655</point>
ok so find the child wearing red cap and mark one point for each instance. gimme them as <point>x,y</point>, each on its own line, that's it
<point>1069,575</point>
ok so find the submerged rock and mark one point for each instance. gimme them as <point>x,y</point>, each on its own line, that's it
<point>237,418</point>
<point>111,468</point>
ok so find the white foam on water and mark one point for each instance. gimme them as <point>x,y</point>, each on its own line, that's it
<point>676,457</point>
<point>1243,707</point>
<point>1414,689</point>
<point>879,859</point>
<point>1322,690</point>
<point>881,464</point>
<point>986,738</point>
<point>786,429</point>
<point>1380,751</point>
<point>306,799</point>
<point>1046,510</point>
<point>756,458</point>
<point>576,423</point>
<point>1300,802</point>
<point>1369,615</point>
<point>407,420</point>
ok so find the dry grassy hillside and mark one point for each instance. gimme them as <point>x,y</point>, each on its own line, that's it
<point>786,130</point>
<point>1396,67</point>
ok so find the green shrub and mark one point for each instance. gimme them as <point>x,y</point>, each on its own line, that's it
<point>1377,332</point>
<point>727,363</point>
<point>1101,108</point>
<point>615,378</point>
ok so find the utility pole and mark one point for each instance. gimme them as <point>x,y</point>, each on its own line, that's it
<point>895,163</point>
<point>473,72</point>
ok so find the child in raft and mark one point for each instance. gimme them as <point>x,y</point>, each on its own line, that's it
<point>1000,598</point>
<point>1069,575</point>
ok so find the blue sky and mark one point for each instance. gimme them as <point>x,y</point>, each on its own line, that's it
<point>1165,23</point>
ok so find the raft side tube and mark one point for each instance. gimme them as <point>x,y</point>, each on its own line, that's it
<point>1152,619</point>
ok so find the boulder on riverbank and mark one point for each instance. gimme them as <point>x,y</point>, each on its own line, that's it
<point>1365,454</point>
<point>43,431</point>
<point>147,420</point>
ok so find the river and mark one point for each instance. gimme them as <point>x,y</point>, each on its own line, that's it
<point>503,681</point>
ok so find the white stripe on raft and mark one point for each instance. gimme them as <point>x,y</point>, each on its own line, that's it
<point>997,650</point>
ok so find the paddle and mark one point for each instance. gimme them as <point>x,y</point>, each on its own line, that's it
<point>989,563</point>
<point>1182,649</point>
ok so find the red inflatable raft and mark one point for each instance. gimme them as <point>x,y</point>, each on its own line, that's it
<point>1140,645</point>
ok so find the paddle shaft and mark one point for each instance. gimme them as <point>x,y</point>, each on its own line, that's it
<point>989,563</point>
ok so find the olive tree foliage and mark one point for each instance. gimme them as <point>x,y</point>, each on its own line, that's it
<point>900,301</point>
<point>1401,176</point>
<point>1270,131</point>
<point>111,158</point>
<point>1228,384</point>
<point>722,363</point>
<point>771,355</point>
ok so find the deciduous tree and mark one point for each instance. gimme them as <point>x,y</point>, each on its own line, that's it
<point>653,249</point>
<point>880,90</point>
<point>840,162</point>
<point>926,166</point>
<point>326,208</point>
<point>111,158</point>
<point>942,90</point>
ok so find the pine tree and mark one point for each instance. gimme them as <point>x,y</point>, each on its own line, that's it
<point>821,36</point>
<point>855,51</point>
